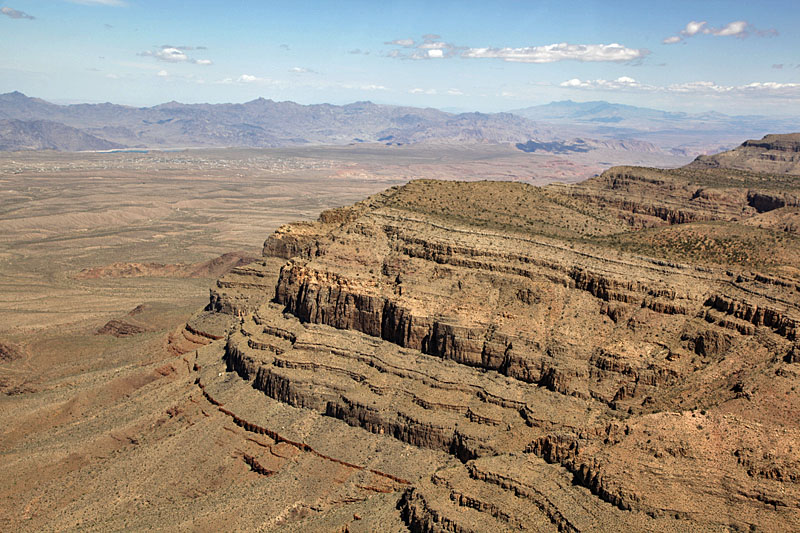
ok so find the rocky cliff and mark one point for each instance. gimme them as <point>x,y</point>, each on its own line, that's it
<point>617,355</point>
<point>779,154</point>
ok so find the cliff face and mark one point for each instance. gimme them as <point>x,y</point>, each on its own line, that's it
<point>600,357</point>
<point>778,154</point>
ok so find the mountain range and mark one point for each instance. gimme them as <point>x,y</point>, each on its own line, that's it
<point>34,124</point>
<point>258,123</point>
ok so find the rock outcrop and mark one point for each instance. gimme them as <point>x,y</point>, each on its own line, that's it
<point>212,268</point>
<point>10,352</point>
<point>779,154</point>
<point>609,356</point>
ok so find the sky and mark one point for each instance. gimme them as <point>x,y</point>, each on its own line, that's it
<point>734,57</point>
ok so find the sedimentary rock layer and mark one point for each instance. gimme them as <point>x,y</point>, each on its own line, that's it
<point>570,363</point>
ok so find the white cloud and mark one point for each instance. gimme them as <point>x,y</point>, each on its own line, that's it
<point>693,27</point>
<point>575,82</point>
<point>625,83</point>
<point>417,90</point>
<point>184,47</point>
<point>734,28</point>
<point>171,55</point>
<point>401,42</point>
<point>455,92</point>
<point>430,47</point>
<point>176,54</point>
<point>789,89</point>
<point>433,45</point>
<point>698,87</point>
<point>300,70</point>
<point>738,28</point>
<point>14,14</point>
<point>560,52</point>
<point>244,78</point>
<point>162,73</point>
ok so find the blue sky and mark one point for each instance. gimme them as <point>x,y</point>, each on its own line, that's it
<point>737,57</point>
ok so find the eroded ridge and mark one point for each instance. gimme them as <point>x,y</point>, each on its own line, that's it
<point>582,364</point>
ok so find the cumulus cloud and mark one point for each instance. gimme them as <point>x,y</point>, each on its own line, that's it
<point>15,14</point>
<point>738,28</point>
<point>176,54</point>
<point>551,53</point>
<point>698,87</point>
<point>623,82</point>
<point>170,55</point>
<point>357,51</point>
<point>693,27</point>
<point>162,74</point>
<point>771,86</point>
<point>432,47</point>
<point>300,70</point>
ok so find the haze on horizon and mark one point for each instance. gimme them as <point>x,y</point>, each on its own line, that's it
<point>734,57</point>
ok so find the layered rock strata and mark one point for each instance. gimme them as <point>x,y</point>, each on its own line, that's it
<point>557,370</point>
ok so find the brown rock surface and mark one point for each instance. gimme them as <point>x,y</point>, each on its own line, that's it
<point>615,355</point>
<point>779,154</point>
<point>206,269</point>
